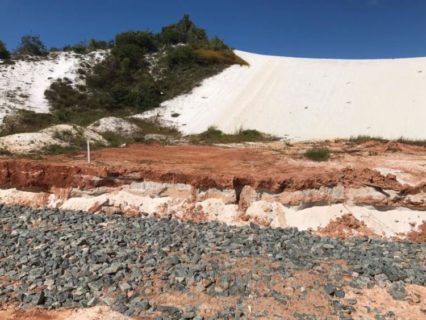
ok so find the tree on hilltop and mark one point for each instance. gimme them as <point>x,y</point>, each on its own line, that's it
<point>32,46</point>
<point>184,31</point>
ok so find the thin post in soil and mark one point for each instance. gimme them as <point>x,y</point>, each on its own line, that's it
<point>88,151</point>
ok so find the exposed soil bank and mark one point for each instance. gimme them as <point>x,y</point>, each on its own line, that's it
<point>266,167</point>
<point>358,192</point>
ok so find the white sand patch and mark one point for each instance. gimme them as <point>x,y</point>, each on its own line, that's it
<point>25,198</point>
<point>389,223</point>
<point>22,85</point>
<point>401,177</point>
<point>305,99</point>
<point>84,203</point>
<point>114,124</point>
<point>23,143</point>
<point>217,210</point>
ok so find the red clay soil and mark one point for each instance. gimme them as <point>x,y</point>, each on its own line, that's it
<point>202,166</point>
<point>418,235</point>
<point>346,226</point>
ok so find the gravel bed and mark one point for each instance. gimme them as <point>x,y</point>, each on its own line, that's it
<point>53,259</point>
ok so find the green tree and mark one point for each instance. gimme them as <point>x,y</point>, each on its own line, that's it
<point>144,40</point>
<point>31,45</point>
<point>185,31</point>
<point>98,44</point>
<point>217,44</point>
<point>182,56</point>
<point>132,47</point>
<point>4,53</point>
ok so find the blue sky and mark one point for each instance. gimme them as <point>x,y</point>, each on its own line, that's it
<point>303,28</point>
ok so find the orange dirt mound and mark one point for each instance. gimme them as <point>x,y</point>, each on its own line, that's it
<point>346,226</point>
<point>418,235</point>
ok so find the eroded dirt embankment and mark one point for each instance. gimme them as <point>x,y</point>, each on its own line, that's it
<point>269,184</point>
<point>200,166</point>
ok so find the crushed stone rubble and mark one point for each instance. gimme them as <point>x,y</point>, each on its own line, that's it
<point>164,269</point>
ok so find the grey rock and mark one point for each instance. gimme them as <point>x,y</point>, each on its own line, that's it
<point>397,291</point>
<point>330,289</point>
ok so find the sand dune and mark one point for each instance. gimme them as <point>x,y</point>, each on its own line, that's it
<point>309,98</point>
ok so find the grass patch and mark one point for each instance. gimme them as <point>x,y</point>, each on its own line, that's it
<point>27,121</point>
<point>419,143</point>
<point>116,140</point>
<point>83,117</point>
<point>213,135</point>
<point>317,154</point>
<point>4,152</point>
<point>56,149</point>
<point>226,57</point>
<point>366,138</point>
<point>145,127</point>
<point>154,127</point>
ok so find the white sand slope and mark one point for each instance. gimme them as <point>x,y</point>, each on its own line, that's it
<point>22,84</point>
<point>305,99</point>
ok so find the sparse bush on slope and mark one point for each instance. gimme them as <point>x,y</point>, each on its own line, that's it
<point>4,53</point>
<point>185,31</point>
<point>318,154</point>
<point>26,121</point>
<point>32,46</point>
<point>213,135</point>
<point>87,47</point>
<point>128,81</point>
<point>363,139</point>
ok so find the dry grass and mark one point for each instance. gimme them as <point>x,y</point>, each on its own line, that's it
<point>221,57</point>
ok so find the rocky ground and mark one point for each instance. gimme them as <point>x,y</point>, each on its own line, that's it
<point>165,269</point>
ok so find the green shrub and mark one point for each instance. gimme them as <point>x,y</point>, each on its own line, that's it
<point>26,121</point>
<point>251,135</point>
<point>99,45</point>
<point>4,53</point>
<point>152,126</point>
<point>86,47</point>
<point>364,138</point>
<point>318,154</point>
<point>143,40</point>
<point>62,95</point>
<point>4,152</point>
<point>55,149</point>
<point>217,44</point>
<point>182,56</point>
<point>31,45</point>
<point>79,48</point>
<point>115,140</point>
<point>213,135</point>
<point>184,31</point>
<point>419,143</point>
